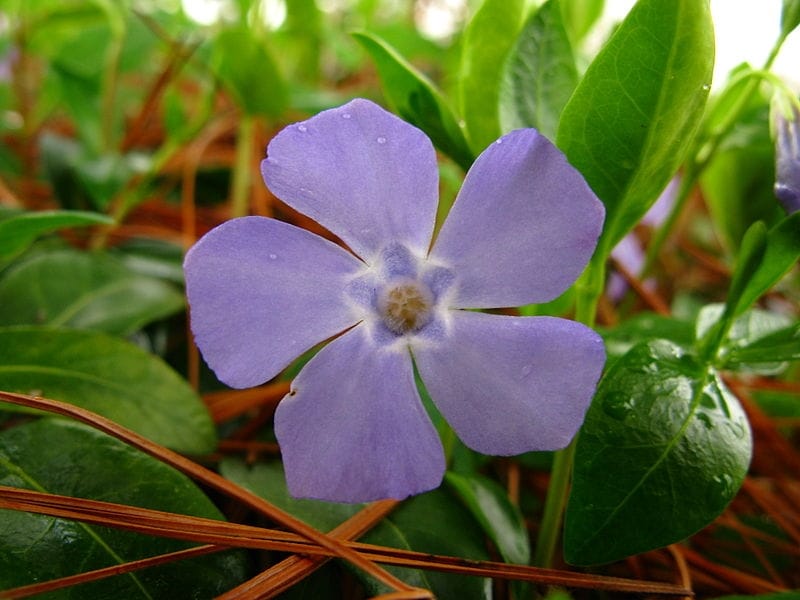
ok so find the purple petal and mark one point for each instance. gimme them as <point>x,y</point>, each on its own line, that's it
<point>787,160</point>
<point>366,175</point>
<point>261,293</point>
<point>512,384</point>
<point>523,226</point>
<point>353,428</point>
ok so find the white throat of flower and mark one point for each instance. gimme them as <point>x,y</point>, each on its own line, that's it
<point>405,305</point>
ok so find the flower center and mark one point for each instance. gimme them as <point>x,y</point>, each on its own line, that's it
<point>405,305</point>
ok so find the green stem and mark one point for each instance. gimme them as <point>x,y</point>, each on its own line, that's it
<point>557,494</point>
<point>589,289</point>
<point>241,168</point>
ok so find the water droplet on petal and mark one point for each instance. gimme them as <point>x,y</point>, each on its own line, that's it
<point>302,128</point>
<point>381,140</point>
<point>273,256</point>
<point>346,115</point>
<point>500,141</point>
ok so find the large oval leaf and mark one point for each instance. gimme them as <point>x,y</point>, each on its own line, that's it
<point>540,74</point>
<point>434,522</point>
<point>487,42</point>
<point>62,457</point>
<point>628,124</point>
<point>664,448</point>
<point>68,288</point>
<point>110,377</point>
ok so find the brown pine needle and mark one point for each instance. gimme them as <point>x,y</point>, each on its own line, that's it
<point>209,478</point>
<point>197,529</point>
<point>228,404</point>
<point>283,575</point>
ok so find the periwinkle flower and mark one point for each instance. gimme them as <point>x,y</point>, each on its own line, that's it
<point>353,427</point>
<point>787,159</point>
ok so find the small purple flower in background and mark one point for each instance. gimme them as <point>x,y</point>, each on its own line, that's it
<point>629,252</point>
<point>787,159</point>
<point>353,427</point>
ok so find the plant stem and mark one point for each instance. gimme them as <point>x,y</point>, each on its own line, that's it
<point>589,288</point>
<point>557,493</point>
<point>241,168</point>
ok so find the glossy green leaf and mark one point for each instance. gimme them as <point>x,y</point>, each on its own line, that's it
<point>109,376</point>
<point>434,522</point>
<point>579,16</point>
<point>20,231</point>
<point>781,254</point>
<point>628,125</point>
<point>501,520</point>
<point>539,75</point>
<point>245,65</point>
<point>488,39</point>
<point>663,437</point>
<point>62,457</point>
<point>412,96</point>
<point>68,288</point>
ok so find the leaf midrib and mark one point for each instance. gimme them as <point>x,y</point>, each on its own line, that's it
<point>693,405</point>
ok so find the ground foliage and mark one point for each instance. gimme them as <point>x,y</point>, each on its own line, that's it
<point>129,130</point>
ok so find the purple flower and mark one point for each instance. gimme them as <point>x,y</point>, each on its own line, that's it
<point>353,428</point>
<point>787,159</point>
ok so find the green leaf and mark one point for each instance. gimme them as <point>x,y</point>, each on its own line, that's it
<point>749,331</point>
<point>487,41</point>
<point>737,182</point>
<point>737,186</point>
<point>412,96</point>
<point>501,520</point>
<point>245,65</point>
<point>540,74</point>
<point>20,231</point>
<point>664,448</point>
<point>647,326</point>
<point>62,457</point>
<point>68,288</point>
<point>579,16</point>
<point>434,522</point>
<point>790,16</point>
<point>628,125</point>
<point>781,254</point>
<point>750,256</point>
<point>110,377</point>
<point>781,345</point>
